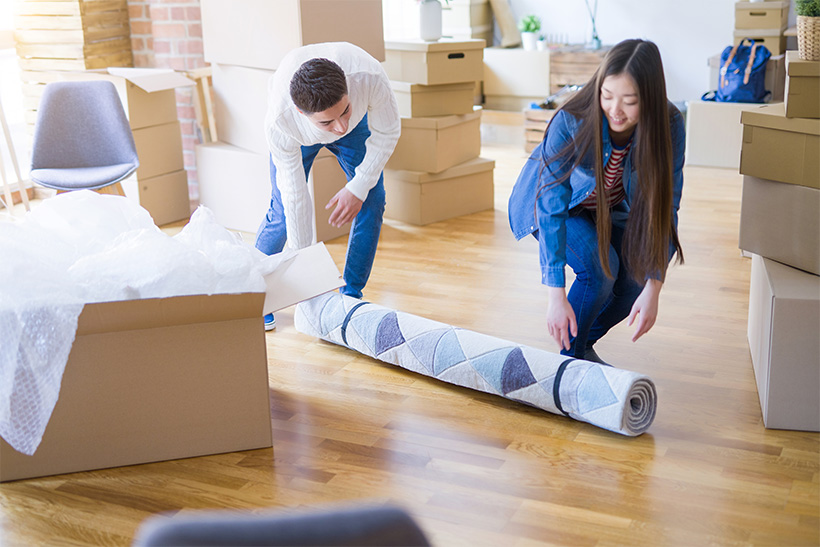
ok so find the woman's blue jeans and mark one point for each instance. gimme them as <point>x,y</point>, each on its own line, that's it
<point>599,302</point>
<point>366,227</point>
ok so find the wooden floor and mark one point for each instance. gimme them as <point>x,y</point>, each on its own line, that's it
<point>476,469</point>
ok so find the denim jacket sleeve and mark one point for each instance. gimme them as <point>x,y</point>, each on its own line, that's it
<point>539,204</point>
<point>678,149</point>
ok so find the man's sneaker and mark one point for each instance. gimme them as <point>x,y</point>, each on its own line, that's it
<point>270,322</point>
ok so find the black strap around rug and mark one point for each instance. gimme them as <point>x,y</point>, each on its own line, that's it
<point>556,385</point>
<point>348,317</point>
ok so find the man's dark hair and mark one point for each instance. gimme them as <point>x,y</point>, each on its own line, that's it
<point>317,85</point>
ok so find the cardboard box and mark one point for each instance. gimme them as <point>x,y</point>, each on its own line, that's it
<point>774,81</point>
<point>159,149</point>
<point>164,196</point>
<point>773,39</point>
<point>436,144</point>
<point>259,33</point>
<point>326,178</point>
<point>802,87</point>
<point>421,198</point>
<point>779,148</point>
<point>235,184</point>
<point>433,63</point>
<point>784,319</point>
<point>781,222</point>
<point>153,380</point>
<point>516,73</point>
<point>762,15</point>
<point>418,101</point>
<point>166,378</point>
<point>714,133</point>
<point>240,105</point>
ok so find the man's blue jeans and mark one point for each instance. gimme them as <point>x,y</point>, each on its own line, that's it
<point>599,302</point>
<point>365,229</point>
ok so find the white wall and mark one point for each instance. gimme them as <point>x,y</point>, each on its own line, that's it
<point>687,32</point>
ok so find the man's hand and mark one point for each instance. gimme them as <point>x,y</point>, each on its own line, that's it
<point>347,207</point>
<point>645,308</point>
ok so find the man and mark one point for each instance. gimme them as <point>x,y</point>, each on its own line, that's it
<point>332,95</point>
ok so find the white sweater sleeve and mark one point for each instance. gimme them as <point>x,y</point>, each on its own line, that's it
<point>384,123</point>
<point>286,154</point>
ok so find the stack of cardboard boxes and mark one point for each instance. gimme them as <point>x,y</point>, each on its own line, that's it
<point>245,40</point>
<point>435,172</point>
<point>780,225</point>
<point>713,133</point>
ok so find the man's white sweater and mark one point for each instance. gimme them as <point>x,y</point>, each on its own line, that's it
<point>287,129</point>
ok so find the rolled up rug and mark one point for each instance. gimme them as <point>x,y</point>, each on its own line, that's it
<point>604,396</point>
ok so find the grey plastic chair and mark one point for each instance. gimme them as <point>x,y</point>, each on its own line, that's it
<point>331,527</point>
<point>82,139</point>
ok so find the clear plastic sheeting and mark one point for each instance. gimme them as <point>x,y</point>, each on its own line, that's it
<point>83,247</point>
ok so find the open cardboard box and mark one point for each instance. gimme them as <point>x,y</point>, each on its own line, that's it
<point>166,378</point>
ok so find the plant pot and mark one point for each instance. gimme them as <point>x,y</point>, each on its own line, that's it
<point>430,20</point>
<point>808,38</point>
<point>529,40</point>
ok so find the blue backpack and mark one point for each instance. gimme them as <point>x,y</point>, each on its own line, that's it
<point>742,74</point>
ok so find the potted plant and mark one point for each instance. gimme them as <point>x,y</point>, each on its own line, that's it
<point>808,29</point>
<point>529,26</point>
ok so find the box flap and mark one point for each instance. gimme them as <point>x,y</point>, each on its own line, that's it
<point>152,79</point>
<point>795,66</point>
<point>773,116</point>
<point>469,167</point>
<point>442,45</point>
<point>440,122</point>
<point>309,273</point>
<point>407,87</point>
<point>164,312</point>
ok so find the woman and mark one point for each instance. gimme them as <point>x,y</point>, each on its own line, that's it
<point>601,193</point>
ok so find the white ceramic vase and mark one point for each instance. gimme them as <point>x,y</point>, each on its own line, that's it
<point>430,20</point>
<point>529,40</point>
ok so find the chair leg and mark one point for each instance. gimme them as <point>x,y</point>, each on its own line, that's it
<point>115,189</point>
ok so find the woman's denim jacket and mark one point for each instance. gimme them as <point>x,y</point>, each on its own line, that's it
<point>554,203</point>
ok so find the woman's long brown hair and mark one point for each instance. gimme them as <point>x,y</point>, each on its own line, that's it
<point>650,226</point>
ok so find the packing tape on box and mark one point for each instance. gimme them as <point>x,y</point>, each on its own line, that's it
<point>611,398</point>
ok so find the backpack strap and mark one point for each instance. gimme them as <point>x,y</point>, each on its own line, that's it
<point>726,65</point>
<point>748,71</point>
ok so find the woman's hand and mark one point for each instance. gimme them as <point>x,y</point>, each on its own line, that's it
<point>560,317</point>
<point>645,308</point>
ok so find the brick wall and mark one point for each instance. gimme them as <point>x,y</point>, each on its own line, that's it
<point>168,34</point>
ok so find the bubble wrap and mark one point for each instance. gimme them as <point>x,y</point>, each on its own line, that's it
<point>83,247</point>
